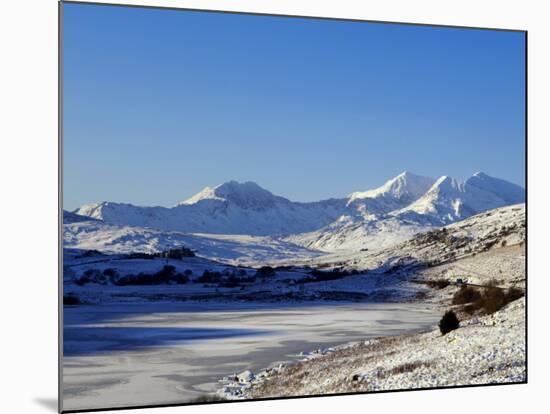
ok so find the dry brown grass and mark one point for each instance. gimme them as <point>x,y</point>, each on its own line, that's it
<point>401,369</point>
<point>466,294</point>
<point>487,299</point>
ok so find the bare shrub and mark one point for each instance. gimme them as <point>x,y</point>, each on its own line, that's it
<point>466,294</point>
<point>492,299</point>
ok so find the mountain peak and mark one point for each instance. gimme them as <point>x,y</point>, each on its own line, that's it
<point>480,174</point>
<point>246,195</point>
<point>449,200</point>
<point>405,186</point>
<point>233,186</point>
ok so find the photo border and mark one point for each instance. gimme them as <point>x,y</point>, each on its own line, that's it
<point>294,16</point>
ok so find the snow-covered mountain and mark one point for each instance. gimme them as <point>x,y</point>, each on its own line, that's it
<point>404,205</point>
<point>229,208</point>
<point>449,200</point>
<point>445,201</point>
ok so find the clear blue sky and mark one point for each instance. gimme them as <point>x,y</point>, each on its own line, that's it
<point>160,103</point>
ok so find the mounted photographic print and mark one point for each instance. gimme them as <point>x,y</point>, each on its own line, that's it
<point>260,206</point>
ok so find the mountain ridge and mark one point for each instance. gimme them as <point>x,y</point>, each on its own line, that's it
<point>406,204</point>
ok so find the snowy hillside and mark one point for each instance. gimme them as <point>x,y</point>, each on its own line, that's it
<point>503,226</point>
<point>373,219</point>
<point>91,234</point>
<point>485,350</point>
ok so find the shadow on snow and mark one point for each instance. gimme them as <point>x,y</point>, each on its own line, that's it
<point>90,340</point>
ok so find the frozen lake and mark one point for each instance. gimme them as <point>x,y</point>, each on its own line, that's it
<point>166,353</point>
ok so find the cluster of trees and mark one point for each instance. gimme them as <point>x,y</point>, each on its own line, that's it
<point>178,253</point>
<point>227,278</point>
<point>167,275</point>
<point>326,275</point>
<point>265,272</point>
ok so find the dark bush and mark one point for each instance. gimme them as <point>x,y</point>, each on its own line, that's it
<point>81,280</point>
<point>329,275</point>
<point>142,279</point>
<point>326,275</point>
<point>91,253</point>
<point>208,398</point>
<point>177,253</point>
<point>165,275</point>
<point>180,278</point>
<point>209,277</point>
<point>111,274</point>
<point>145,256</point>
<point>123,280</point>
<point>91,276</point>
<point>265,272</point>
<point>449,322</point>
<point>71,300</point>
<point>231,282</point>
<point>438,284</point>
<point>513,294</point>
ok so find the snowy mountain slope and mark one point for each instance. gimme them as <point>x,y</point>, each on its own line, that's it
<point>351,234</point>
<point>247,208</point>
<point>396,193</point>
<point>508,192</point>
<point>449,200</point>
<point>92,234</point>
<point>504,226</point>
<point>446,201</point>
<point>71,218</point>
<point>374,219</point>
